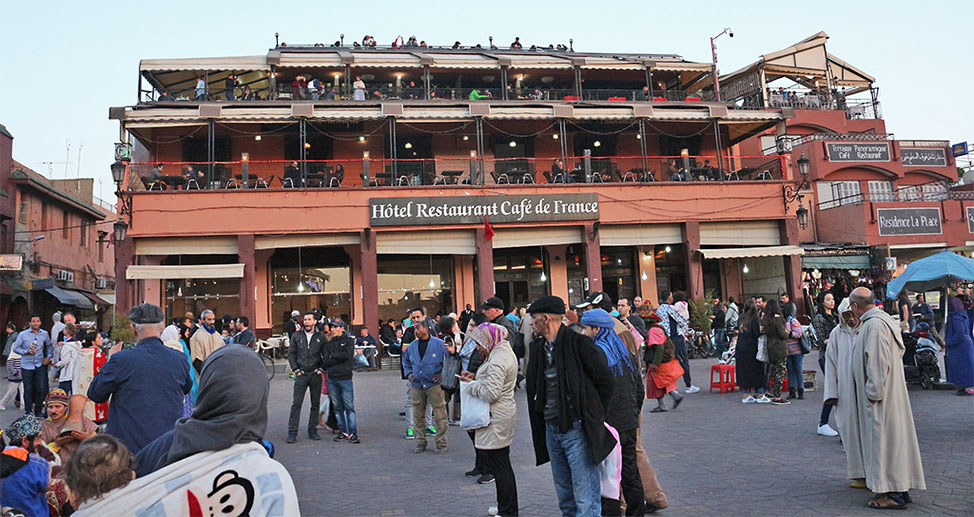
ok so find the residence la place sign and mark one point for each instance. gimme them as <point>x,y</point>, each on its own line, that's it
<point>474,209</point>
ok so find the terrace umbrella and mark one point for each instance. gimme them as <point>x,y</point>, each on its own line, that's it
<point>934,272</point>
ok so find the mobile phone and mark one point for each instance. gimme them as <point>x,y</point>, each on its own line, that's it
<point>457,375</point>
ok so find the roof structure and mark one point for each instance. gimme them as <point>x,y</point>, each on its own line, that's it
<point>24,175</point>
<point>807,63</point>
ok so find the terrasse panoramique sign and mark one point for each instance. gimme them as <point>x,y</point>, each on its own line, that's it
<point>858,151</point>
<point>474,209</point>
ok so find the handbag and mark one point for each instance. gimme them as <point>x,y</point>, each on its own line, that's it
<point>808,339</point>
<point>474,412</point>
<point>762,354</point>
<point>610,470</point>
<point>451,367</point>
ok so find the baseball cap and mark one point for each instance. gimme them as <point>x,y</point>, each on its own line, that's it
<point>493,303</point>
<point>295,313</point>
<point>596,299</point>
<point>337,322</point>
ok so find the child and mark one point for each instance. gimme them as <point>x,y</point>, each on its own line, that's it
<point>662,369</point>
<point>69,352</point>
<point>24,476</point>
<point>101,464</point>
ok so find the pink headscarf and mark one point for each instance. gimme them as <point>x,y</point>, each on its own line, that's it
<point>490,335</point>
<point>656,336</point>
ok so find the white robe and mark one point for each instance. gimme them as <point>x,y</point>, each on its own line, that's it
<point>840,385</point>
<point>890,453</point>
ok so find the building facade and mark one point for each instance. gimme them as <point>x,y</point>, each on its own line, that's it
<point>371,181</point>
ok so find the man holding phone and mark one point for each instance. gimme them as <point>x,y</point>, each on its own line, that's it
<point>34,345</point>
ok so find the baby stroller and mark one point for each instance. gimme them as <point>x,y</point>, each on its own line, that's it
<point>920,359</point>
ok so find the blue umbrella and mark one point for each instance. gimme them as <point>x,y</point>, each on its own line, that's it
<point>934,272</point>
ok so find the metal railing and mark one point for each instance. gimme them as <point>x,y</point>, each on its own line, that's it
<point>329,92</point>
<point>416,172</point>
<point>935,191</point>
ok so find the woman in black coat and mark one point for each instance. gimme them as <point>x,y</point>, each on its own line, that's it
<point>751,376</point>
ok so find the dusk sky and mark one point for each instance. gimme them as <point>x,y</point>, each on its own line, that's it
<point>64,65</point>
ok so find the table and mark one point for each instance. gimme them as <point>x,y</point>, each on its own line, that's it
<point>449,177</point>
<point>171,181</point>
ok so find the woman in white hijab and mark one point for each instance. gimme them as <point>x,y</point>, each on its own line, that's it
<point>840,390</point>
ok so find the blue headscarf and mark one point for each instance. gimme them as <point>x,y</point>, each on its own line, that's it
<point>607,339</point>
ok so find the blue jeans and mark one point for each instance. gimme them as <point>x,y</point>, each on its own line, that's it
<point>576,476</point>
<point>796,380</point>
<point>343,400</point>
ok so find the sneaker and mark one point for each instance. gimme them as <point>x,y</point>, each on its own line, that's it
<point>431,430</point>
<point>826,430</point>
<point>762,400</point>
<point>492,511</point>
<point>314,435</point>
<point>486,479</point>
<point>339,437</point>
<point>748,400</point>
<point>453,422</point>
<point>780,402</point>
<point>402,415</point>
<point>420,448</point>
<point>691,389</point>
<point>440,450</point>
<point>3,408</point>
<point>409,434</point>
<point>353,438</point>
<point>472,473</point>
<point>292,437</point>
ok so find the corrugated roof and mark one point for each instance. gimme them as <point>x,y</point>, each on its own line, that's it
<point>39,182</point>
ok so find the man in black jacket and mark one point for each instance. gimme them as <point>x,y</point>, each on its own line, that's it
<point>304,356</point>
<point>338,361</point>
<point>569,386</point>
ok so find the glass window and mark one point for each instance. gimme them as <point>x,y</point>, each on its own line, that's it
<point>308,279</point>
<point>406,283</point>
<point>846,193</point>
<point>575,265</point>
<point>619,272</point>
<point>881,191</point>
<point>935,191</point>
<point>518,276</point>
<point>671,268</point>
<point>220,295</point>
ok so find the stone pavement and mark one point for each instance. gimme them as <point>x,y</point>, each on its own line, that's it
<point>714,456</point>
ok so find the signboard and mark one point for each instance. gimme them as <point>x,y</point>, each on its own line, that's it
<point>858,151</point>
<point>970,219</point>
<point>890,263</point>
<point>909,221</point>
<point>474,209</point>
<point>924,156</point>
<point>11,262</point>
<point>959,149</point>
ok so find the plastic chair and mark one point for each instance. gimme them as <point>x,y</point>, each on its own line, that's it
<point>727,378</point>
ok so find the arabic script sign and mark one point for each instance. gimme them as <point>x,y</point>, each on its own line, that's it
<point>474,209</point>
<point>909,221</point>
<point>924,156</point>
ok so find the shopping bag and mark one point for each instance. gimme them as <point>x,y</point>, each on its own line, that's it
<point>474,413</point>
<point>610,470</point>
<point>762,354</point>
<point>451,367</point>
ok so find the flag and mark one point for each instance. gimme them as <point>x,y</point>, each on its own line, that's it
<point>488,231</point>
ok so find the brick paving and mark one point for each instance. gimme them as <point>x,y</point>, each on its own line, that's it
<point>714,456</point>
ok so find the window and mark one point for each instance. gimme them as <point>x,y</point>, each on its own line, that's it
<point>101,248</point>
<point>65,222</point>
<point>909,193</point>
<point>935,191</point>
<point>881,191</point>
<point>846,193</point>
<point>85,229</point>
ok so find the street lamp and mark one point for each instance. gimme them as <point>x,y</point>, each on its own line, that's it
<point>791,192</point>
<point>713,51</point>
<point>121,229</point>
<point>118,173</point>
<point>802,214</point>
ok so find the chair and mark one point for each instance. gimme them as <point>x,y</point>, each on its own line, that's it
<point>694,99</point>
<point>334,182</point>
<point>726,378</point>
<point>660,99</point>
<point>526,178</point>
<point>617,99</point>
<point>501,178</point>
<point>571,98</point>
<point>733,175</point>
<point>648,176</point>
<point>191,182</point>
<point>151,185</point>
<point>630,174</point>
<point>765,175</point>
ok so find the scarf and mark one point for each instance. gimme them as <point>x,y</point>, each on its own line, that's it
<point>608,340</point>
<point>490,335</point>
<point>211,330</point>
<point>231,406</point>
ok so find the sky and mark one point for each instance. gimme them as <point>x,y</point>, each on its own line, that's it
<point>63,67</point>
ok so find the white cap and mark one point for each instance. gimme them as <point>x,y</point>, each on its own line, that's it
<point>295,313</point>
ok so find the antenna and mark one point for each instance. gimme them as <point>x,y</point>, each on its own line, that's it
<point>78,174</point>
<point>67,157</point>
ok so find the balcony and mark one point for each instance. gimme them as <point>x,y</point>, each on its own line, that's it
<point>384,173</point>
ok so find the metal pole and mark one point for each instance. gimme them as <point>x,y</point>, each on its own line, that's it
<point>720,166</point>
<point>642,145</point>
<point>302,151</point>
<point>426,82</point>
<point>587,163</point>
<point>713,51</point>
<point>394,149</point>
<point>564,143</point>
<point>210,151</point>
<point>481,176</point>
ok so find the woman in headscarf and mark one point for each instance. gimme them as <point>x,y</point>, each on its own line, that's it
<point>494,383</point>
<point>839,390</point>
<point>231,409</point>
<point>960,348</point>
<point>182,339</point>
<point>623,411</point>
<point>662,369</point>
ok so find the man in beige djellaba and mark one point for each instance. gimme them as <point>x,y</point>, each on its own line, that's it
<point>890,454</point>
<point>840,390</point>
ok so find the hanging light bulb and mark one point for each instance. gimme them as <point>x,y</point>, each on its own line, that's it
<point>179,291</point>
<point>668,249</point>
<point>301,287</point>
<point>746,270</point>
<point>645,276</point>
<point>432,284</point>
<point>544,278</point>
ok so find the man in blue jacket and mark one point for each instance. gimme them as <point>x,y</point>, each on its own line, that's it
<point>422,363</point>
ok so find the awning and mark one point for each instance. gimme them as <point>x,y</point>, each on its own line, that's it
<point>184,272</point>
<point>763,251</point>
<point>539,62</point>
<point>69,297</point>
<point>97,300</point>
<point>13,283</point>
<point>204,64</point>
<point>835,261</point>
<point>478,61</point>
<point>207,245</point>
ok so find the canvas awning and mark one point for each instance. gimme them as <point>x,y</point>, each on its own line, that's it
<point>69,297</point>
<point>184,272</point>
<point>835,261</point>
<point>239,63</point>
<point>539,62</point>
<point>97,300</point>
<point>762,251</point>
<point>463,61</point>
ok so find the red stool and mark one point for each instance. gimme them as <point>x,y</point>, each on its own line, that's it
<point>784,382</point>
<point>727,377</point>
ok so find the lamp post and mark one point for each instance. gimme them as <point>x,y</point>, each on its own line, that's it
<point>713,52</point>
<point>791,193</point>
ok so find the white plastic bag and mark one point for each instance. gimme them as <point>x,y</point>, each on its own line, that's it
<point>610,470</point>
<point>474,413</point>
<point>762,354</point>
